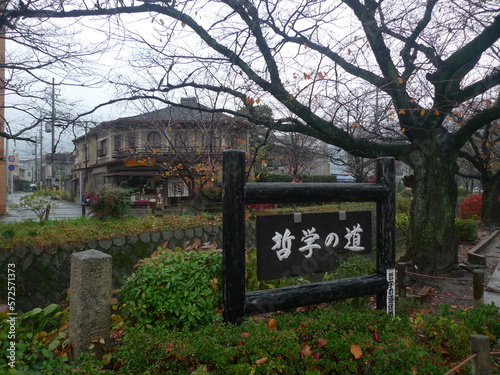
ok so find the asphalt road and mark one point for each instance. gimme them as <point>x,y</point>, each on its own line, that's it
<point>63,210</point>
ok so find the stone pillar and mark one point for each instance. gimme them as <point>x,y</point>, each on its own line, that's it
<point>90,314</point>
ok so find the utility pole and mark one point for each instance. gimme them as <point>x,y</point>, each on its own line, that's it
<point>35,176</point>
<point>3,164</point>
<point>51,129</point>
<point>52,121</point>
<point>41,159</point>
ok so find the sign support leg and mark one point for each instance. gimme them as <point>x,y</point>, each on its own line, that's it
<point>233,256</point>
<point>386,241</point>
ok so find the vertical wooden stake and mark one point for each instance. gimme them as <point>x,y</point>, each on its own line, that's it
<point>478,288</point>
<point>480,345</point>
<point>386,224</point>
<point>233,233</point>
<point>401,269</point>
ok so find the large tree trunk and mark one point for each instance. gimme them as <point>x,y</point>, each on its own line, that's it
<point>490,214</point>
<point>432,243</point>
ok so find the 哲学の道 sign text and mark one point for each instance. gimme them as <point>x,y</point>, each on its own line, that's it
<point>303,244</point>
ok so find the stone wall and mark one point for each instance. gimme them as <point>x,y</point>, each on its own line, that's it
<point>43,275</point>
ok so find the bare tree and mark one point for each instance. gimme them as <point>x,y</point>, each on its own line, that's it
<point>482,153</point>
<point>425,58</point>
<point>298,152</point>
<point>357,167</point>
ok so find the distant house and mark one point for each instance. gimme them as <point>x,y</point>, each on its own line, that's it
<point>165,156</point>
<point>56,169</point>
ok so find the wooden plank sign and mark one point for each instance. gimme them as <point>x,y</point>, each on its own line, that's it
<point>304,244</point>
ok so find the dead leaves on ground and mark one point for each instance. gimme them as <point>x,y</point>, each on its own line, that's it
<point>308,349</point>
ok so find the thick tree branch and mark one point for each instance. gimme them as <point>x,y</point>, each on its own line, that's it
<point>476,122</point>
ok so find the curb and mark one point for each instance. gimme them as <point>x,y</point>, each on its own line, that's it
<point>472,255</point>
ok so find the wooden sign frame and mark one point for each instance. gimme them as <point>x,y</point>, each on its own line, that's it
<point>237,194</point>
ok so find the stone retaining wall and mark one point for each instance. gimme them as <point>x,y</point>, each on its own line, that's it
<point>43,275</point>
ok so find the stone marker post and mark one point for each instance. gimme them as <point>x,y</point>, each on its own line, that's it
<point>90,315</point>
<point>480,345</point>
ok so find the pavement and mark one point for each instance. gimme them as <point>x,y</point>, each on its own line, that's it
<point>492,279</point>
<point>63,210</point>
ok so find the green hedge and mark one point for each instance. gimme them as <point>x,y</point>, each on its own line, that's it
<point>273,177</point>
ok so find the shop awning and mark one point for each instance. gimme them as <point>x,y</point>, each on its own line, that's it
<point>132,174</point>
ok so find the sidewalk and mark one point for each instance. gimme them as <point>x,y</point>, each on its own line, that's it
<point>64,210</point>
<point>492,279</point>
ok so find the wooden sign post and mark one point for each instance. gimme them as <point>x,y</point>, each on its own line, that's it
<point>237,194</point>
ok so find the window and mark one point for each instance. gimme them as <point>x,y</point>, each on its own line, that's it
<point>117,142</point>
<point>131,140</point>
<point>102,149</point>
<point>154,140</point>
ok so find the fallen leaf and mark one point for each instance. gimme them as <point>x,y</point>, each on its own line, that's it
<point>376,337</point>
<point>356,351</point>
<point>245,334</point>
<point>272,324</point>
<point>262,361</point>
<point>320,343</point>
<point>306,350</point>
<point>106,359</point>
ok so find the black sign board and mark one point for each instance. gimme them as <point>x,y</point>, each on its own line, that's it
<point>303,244</point>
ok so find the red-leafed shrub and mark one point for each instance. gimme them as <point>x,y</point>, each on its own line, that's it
<point>471,206</point>
<point>259,206</point>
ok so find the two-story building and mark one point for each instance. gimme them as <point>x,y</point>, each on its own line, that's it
<point>56,170</point>
<point>166,156</point>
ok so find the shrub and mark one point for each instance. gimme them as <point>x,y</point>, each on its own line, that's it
<point>273,177</point>
<point>466,230</point>
<point>406,194</point>
<point>212,194</point>
<point>402,223</point>
<point>471,206</point>
<point>41,202</point>
<point>35,346</point>
<point>7,233</point>
<point>318,178</point>
<point>354,266</point>
<point>315,341</point>
<point>462,192</point>
<point>175,288</point>
<point>403,204</point>
<point>110,201</point>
